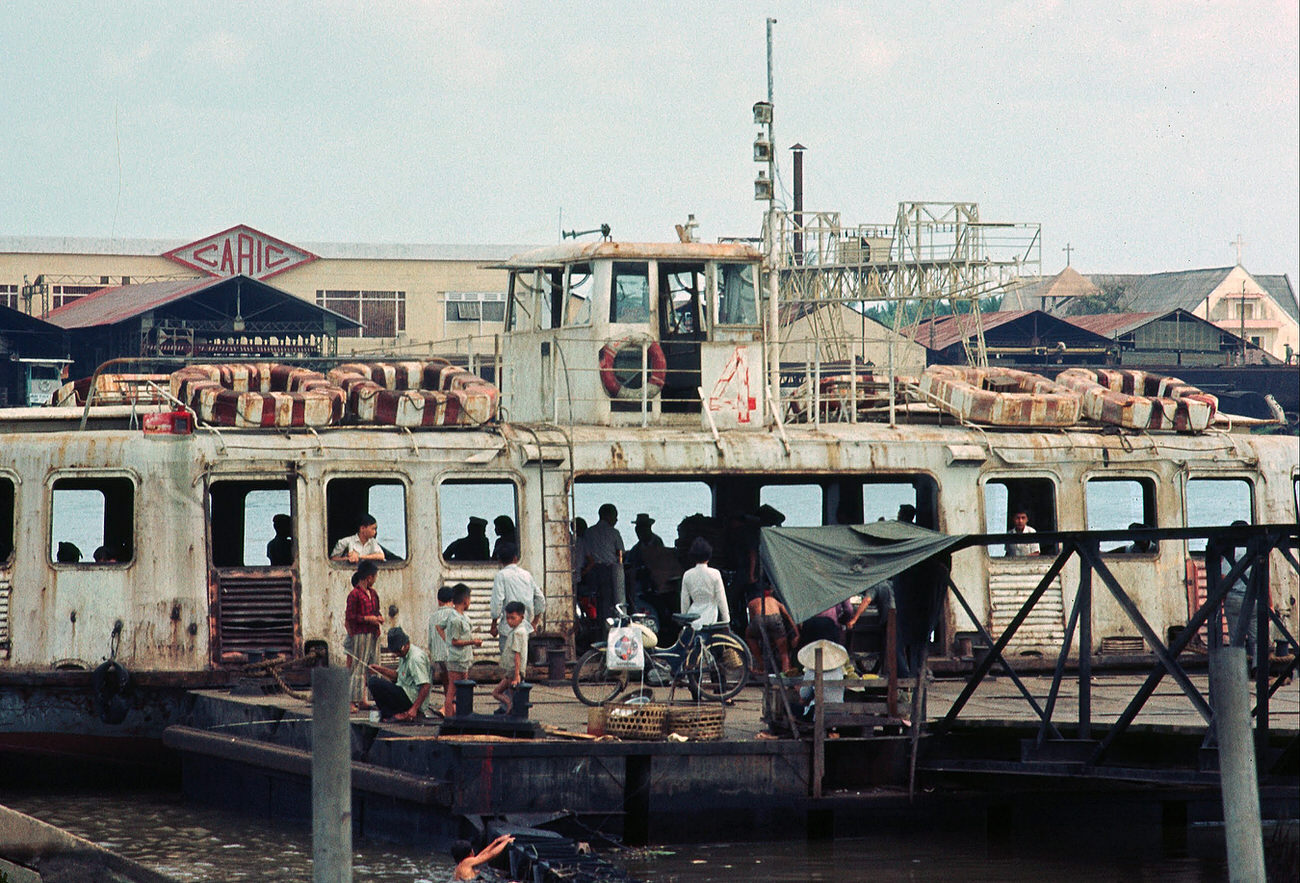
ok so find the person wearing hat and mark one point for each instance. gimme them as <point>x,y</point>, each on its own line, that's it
<point>362,620</point>
<point>635,562</point>
<point>471,547</point>
<point>402,694</point>
<point>504,527</point>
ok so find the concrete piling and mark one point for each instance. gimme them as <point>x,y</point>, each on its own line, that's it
<point>1229,694</point>
<point>331,777</point>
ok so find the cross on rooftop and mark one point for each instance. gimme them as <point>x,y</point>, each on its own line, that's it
<point>1068,248</point>
<point>1239,243</point>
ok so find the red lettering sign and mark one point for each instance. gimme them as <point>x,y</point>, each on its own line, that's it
<point>240,250</point>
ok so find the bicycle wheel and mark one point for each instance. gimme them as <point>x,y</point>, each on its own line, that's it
<point>724,669</point>
<point>593,683</point>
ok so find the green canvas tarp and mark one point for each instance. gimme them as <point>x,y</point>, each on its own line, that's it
<point>815,568</point>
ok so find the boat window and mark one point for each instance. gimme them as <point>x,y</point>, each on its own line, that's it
<point>801,504</point>
<point>681,299</point>
<point>90,515</point>
<point>1117,503</point>
<point>630,303</point>
<point>384,499</point>
<point>884,500</point>
<point>1214,502</point>
<point>672,505</point>
<point>533,300</point>
<point>737,301</point>
<point>243,521</point>
<point>1005,497</point>
<point>6,519</point>
<point>469,513</point>
<point>579,286</point>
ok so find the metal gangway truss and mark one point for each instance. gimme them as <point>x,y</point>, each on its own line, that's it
<point>1086,748</point>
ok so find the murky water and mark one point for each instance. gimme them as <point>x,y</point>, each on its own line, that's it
<point>194,843</point>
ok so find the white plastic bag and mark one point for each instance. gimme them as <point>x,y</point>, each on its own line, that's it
<point>624,650</point>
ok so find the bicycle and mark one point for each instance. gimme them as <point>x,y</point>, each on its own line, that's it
<point>712,664</point>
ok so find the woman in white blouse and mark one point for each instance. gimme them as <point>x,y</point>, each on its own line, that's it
<point>702,589</point>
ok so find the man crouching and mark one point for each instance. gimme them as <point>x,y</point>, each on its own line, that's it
<point>402,694</point>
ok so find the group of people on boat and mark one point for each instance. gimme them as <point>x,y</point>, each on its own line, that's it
<point>405,693</point>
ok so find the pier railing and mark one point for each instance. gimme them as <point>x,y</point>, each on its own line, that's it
<point>1084,753</point>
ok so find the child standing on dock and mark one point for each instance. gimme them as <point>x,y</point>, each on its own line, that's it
<point>460,643</point>
<point>514,655</point>
<point>437,642</point>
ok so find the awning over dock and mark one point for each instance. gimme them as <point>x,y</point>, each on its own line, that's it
<point>815,568</point>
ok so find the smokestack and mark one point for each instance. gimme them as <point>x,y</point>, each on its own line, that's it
<point>798,150</point>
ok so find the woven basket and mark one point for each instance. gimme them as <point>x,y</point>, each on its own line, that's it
<point>700,722</point>
<point>641,722</point>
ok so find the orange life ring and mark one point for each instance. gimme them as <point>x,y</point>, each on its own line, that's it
<point>621,389</point>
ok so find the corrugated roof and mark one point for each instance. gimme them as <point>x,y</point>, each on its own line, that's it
<point>1112,324</point>
<point>19,321</point>
<point>947,330</point>
<point>108,306</point>
<point>1282,292</point>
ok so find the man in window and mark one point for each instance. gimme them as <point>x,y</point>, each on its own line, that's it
<point>1020,524</point>
<point>279,551</point>
<point>471,547</point>
<point>362,545</point>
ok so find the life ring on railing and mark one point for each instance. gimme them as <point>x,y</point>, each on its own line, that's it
<point>630,387</point>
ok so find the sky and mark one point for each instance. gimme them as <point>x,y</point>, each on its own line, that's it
<point>1145,135</point>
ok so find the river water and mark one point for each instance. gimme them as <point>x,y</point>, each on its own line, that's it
<point>194,843</point>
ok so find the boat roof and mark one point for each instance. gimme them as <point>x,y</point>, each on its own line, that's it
<point>572,252</point>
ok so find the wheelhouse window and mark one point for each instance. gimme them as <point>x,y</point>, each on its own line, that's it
<point>247,522</point>
<point>1006,498</point>
<point>682,300</point>
<point>579,286</point>
<point>630,293</point>
<point>1118,503</point>
<point>737,295</point>
<point>7,504</point>
<point>384,499</point>
<point>381,313</point>
<point>1216,502</point>
<point>468,513</point>
<point>92,520</point>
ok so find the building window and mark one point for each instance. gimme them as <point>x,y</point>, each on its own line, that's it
<point>479,307</point>
<point>347,499</point>
<point>485,501</point>
<point>381,313</point>
<point>243,515</point>
<point>9,296</point>
<point>61,295</point>
<point>92,521</point>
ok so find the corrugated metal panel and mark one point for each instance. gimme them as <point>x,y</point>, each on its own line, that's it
<point>5,589</point>
<point>111,305</point>
<point>255,613</point>
<point>1044,629</point>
